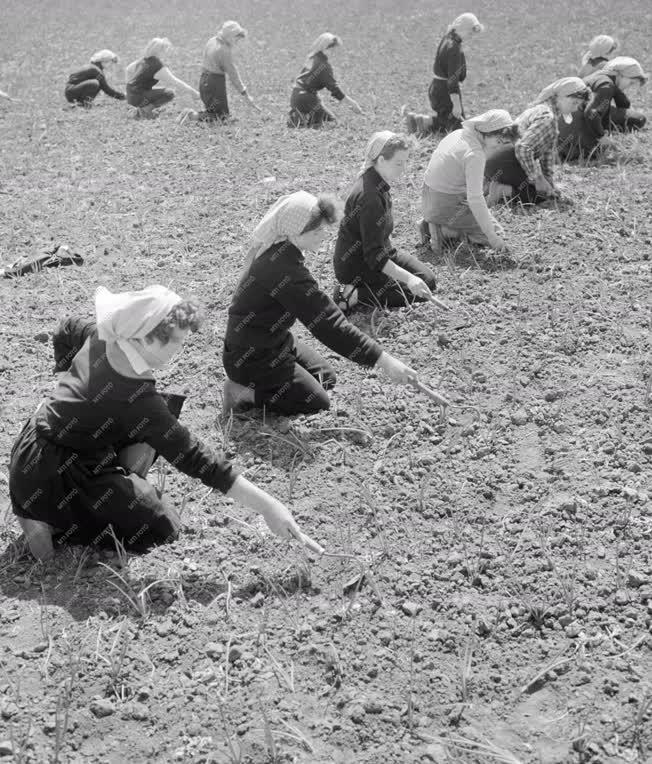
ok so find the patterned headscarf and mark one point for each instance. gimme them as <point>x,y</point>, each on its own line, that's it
<point>466,23</point>
<point>565,86</point>
<point>287,217</point>
<point>628,67</point>
<point>323,42</point>
<point>490,121</point>
<point>230,31</point>
<point>374,148</point>
<point>125,316</point>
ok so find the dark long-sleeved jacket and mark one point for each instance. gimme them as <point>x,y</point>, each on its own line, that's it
<point>94,72</point>
<point>450,62</point>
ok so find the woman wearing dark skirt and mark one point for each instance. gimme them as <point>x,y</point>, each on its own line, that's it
<point>449,70</point>
<point>367,266</point>
<point>265,364</point>
<point>524,171</point>
<point>306,106</point>
<point>84,84</point>
<point>78,467</point>
<point>217,65</point>
<point>144,76</point>
<point>607,109</point>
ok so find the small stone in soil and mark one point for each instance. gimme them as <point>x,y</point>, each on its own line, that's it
<point>520,417</point>
<point>411,608</point>
<point>102,707</point>
<point>214,650</point>
<point>635,578</point>
<point>6,748</point>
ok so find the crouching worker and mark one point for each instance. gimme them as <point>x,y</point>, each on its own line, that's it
<point>144,76</point>
<point>84,84</point>
<point>524,171</point>
<point>78,467</point>
<point>367,266</point>
<point>264,363</point>
<point>607,109</point>
<point>453,190</point>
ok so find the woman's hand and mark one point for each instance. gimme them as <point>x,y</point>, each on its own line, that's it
<point>354,105</point>
<point>279,520</point>
<point>399,372</point>
<point>544,187</point>
<point>418,287</point>
<point>498,244</point>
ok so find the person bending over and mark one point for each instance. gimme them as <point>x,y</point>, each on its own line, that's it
<point>78,468</point>
<point>265,364</point>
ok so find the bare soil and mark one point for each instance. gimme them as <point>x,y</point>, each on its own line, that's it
<point>506,606</point>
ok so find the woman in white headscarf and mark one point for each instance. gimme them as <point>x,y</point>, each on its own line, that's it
<point>84,84</point>
<point>218,64</point>
<point>601,49</point>
<point>306,107</point>
<point>266,365</point>
<point>78,468</point>
<point>449,70</point>
<point>368,268</point>
<point>150,80</point>
<point>453,191</point>
<point>524,172</point>
<point>608,108</point>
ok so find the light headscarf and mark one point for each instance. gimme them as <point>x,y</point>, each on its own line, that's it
<point>126,316</point>
<point>104,56</point>
<point>626,66</point>
<point>490,121</point>
<point>600,46</point>
<point>230,31</point>
<point>323,42</point>
<point>287,217</point>
<point>565,86</point>
<point>376,144</point>
<point>466,23</point>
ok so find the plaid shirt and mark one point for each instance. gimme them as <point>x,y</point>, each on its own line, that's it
<point>535,148</point>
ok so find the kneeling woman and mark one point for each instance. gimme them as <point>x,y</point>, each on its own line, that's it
<point>84,84</point>
<point>453,191</point>
<point>601,49</point>
<point>144,74</point>
<point>524,171</point>
<point>367,267</point>
<point>218,63</point>
<point>306,106</point>
<point>78,467</point>
<point>608,108</point>
<point>264,363</point>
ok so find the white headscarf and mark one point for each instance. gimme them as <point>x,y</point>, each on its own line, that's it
<point>466,23</point>
<point>230,31</point>
<point>600,46</point>
<point>490,121</point>
<point>323,42</point>
<point>563,87</point>
<point>287,217</point>
<point>628,67</point>
<point>374,148</point>
<point>126,316</point>
<point>104,56</point>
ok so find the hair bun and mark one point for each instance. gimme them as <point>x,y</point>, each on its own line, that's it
<point>330,207</point>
